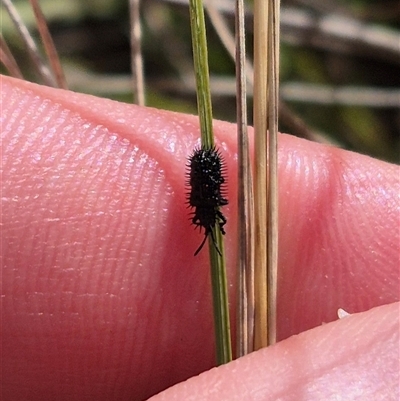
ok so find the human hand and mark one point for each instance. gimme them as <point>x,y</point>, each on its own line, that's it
<point>103,299</point>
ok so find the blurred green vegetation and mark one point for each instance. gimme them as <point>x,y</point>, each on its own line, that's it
<point>92,38</point>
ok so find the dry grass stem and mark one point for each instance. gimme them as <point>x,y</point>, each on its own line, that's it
<point>136,54</point>
<point>286,115</point>
<point>30,44</point>
<point>260,171</point>
<point>48,43</point>
<point>8,59</point>
<point>272,194</point>
<point>245,262</point>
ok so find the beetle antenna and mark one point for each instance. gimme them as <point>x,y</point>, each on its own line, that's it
<point>215,243</point>
<point>202,244</point>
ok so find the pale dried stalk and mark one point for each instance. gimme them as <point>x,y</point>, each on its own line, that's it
<point>33,51</point>
<point>8,59</point>
<point>48,43</point>
<point>272,194</point>
<point>245,296</point>
<point>136,54</point>
<point>260,171</point>
<point>286,115</point>
<point>245,261</point>
<point>226,37</point>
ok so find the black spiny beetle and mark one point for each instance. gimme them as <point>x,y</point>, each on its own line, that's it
<point>206,180</point>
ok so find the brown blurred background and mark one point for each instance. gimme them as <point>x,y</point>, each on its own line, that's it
<point>340,75</point>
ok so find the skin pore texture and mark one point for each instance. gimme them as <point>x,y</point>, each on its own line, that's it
<point>102,298</point>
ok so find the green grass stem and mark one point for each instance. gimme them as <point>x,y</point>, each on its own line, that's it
<point>218,270</point>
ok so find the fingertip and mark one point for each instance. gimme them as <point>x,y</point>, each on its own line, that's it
<point>96,216</point>
<point>347,359</point>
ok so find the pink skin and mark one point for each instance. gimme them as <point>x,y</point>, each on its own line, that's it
<point>103,299</point>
